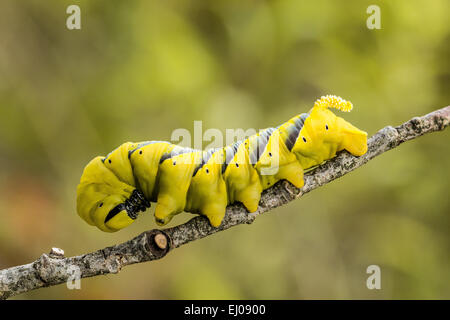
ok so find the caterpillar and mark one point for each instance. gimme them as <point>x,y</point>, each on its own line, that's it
<point>113,190</point>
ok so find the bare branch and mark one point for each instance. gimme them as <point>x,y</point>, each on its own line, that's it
<point>52,269</point>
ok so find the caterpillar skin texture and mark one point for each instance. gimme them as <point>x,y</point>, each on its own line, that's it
<point>114,189</point>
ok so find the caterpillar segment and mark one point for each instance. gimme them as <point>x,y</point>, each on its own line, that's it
<point>113,190</point>
<point>241,178</point>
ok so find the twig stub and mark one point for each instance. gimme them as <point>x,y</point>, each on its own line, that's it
<point>56,253</point>
<point>161,241</point>
<point>157,243</point>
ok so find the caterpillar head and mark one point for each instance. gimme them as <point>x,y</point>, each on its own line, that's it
<point>105,201</point>
<point>331,129</point>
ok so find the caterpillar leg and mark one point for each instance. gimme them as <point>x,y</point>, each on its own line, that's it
<point>278,163</point>
<point>207,193</point>
<point>215,213</point>
<point>292,172</point>
<point>242,180</point>
<point>175,178</point>
<point>165,209</point>
<point>250,197</point>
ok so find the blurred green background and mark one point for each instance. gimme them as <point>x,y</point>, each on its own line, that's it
<point>139,69</point>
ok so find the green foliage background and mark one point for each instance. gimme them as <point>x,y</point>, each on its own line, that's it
<point>139,69</point>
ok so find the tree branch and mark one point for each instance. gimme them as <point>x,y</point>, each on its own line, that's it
<point>53,268</point>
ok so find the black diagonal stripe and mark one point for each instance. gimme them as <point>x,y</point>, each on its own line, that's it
<point>114,211</point>
<point>165,156</point>
<point>205,157</point>
<point>143,144</point>
<point>230,151</point>
<point>294,130</point>
<point>303,117</point>
<point>104,159</point>
<point>175,152</point>
<point>264,140</point>
<point>259,144</point>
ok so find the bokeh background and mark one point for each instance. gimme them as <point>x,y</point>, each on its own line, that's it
<point>139,69</point>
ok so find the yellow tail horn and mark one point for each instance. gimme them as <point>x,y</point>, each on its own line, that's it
<point>331,101</point>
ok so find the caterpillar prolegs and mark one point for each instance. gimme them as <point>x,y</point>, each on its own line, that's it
<point>114,189</point>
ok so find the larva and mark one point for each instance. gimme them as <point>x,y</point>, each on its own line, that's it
<point>114,189</point>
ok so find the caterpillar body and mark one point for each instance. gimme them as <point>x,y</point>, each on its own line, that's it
<point>114,189</point>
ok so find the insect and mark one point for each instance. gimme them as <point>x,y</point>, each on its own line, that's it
<point>113,190</point>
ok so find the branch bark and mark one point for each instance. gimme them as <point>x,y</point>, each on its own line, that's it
<point>53,268</point>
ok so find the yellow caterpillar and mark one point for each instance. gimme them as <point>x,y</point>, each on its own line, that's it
<point>114,189</point>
